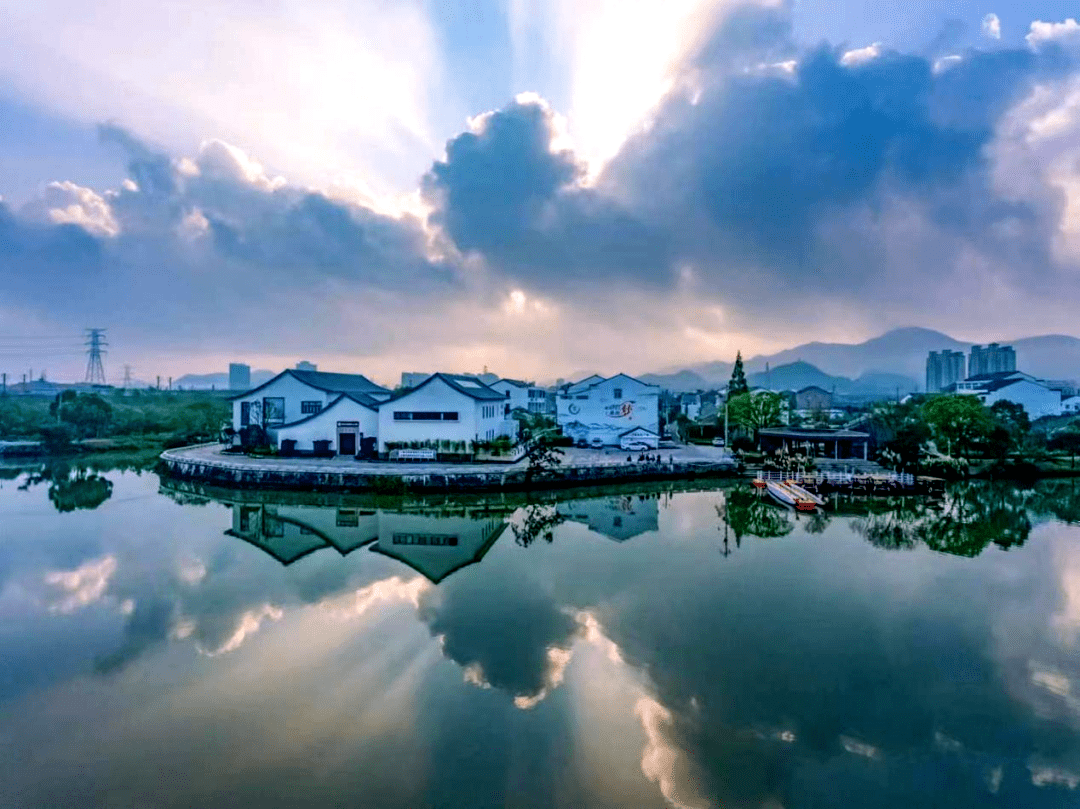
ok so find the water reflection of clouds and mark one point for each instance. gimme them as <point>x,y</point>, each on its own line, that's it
<point>82,586</point>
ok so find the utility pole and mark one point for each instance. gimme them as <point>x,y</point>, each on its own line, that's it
<point>127,377</point>
<point>95,348</point>
<point>727,446</point>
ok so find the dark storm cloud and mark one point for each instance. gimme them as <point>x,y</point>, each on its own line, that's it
<point>871,174</point>
<point>183,235</point>
<point>504,192</point>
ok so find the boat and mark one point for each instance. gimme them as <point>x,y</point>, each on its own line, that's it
<point>783,494</point>
<point>804,493</point>
<point>759,483</point>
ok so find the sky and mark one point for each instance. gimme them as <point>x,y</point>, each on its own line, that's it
<point>539,188</point>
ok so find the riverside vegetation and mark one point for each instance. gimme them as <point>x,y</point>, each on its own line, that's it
<point>118,420</point>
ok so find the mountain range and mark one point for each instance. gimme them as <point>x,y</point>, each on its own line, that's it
<point>895,360</point>
<point>219,381</point>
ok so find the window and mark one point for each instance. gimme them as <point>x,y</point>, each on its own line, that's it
<point>310,408</point>
<point>245,414</point>
<point>618,393</point>
<point>425,415</point>
<point>274,410</point>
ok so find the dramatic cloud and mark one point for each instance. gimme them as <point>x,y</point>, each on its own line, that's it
<point>842,188</point>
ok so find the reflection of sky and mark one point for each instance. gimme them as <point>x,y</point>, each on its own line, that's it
<point>142,646</point>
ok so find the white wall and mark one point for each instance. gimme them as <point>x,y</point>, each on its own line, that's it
<point>292,390</point>
<point>1036,400</point>
<point>597,413</point>
<point>437,396</point>
<point>324,426</point>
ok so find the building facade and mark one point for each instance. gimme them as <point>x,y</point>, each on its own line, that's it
<point>992,359</point>
<point>943,368</point>
<point>813,398</point>
<point>443,411</point>
<point>1032,394</point>
<point>523,395</point>
<point>598,409</point>
<point>239,376</point>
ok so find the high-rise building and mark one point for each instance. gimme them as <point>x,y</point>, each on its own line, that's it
<point>992,359</point>
<point>943,369</point>
<point>304,365</point>
<point>239,376</point>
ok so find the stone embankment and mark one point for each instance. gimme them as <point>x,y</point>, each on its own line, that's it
<point>208,464</point>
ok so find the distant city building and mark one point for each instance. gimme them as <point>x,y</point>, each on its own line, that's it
<point>944,368</point>
<point>993,359</point>
<point>813,398</point>
<point>304,365</point>
<point>410,379</point>
<point>239,376</point>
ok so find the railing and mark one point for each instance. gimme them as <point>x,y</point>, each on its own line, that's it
<point>837,478</point>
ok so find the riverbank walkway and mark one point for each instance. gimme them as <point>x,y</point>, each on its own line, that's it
<point>207,462</point>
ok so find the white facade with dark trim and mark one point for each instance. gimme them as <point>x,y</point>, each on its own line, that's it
<point>445,408</point>
<point>605,409</point>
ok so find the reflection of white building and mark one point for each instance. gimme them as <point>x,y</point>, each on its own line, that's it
<point>432,543</point>
<point>605,409</point>
<point>618,518</point>
<point>437,546</point>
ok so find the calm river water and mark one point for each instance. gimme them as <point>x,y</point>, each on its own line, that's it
<point>643,647</point>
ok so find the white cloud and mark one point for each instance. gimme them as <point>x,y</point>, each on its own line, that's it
<point>860,56</point>
<point>991,26</point>
<point>82,586</point>
<point>1049,776</point>
<point>249,623</point>
<point>622,57</point>
<point>321,87</point>
<point>1062,33</point>
<point>66,203</point>
<point>945,62</point>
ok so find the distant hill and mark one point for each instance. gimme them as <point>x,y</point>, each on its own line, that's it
<point>219,381</point>
<point>895,359</point>
<point>680,381</point>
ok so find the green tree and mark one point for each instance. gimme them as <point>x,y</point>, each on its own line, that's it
<point>901,429</point>
<point>543,457</point>
<point>737,385</point>
<point>959,421</point>
<point>88,413</point>
<point>756,411</point>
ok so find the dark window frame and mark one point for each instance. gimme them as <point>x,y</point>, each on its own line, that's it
<point>310,407</point>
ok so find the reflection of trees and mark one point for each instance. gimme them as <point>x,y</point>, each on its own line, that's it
<point>971,516</point>
<point>72,489</point>
<point>1059,498</point>
<point>747,513</point>
<point>535,522</point>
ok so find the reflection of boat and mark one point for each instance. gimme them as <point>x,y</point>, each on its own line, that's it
<point>784,494</point>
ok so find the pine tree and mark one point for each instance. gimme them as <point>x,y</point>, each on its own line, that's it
<point>737,384</point>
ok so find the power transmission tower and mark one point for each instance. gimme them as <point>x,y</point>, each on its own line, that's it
<point>127,376</point>
<point>95,349</point>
